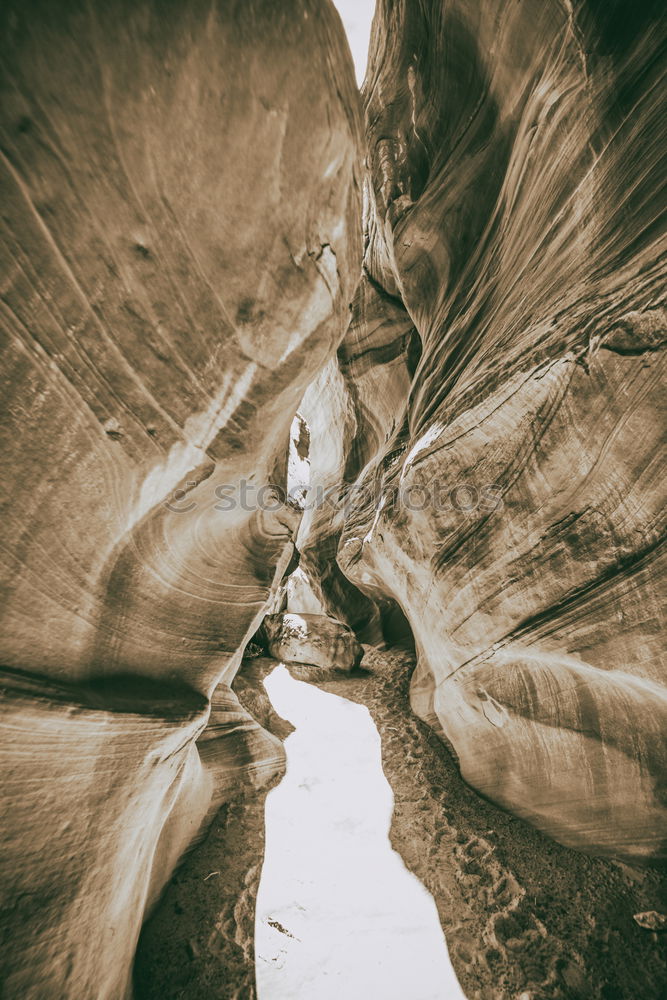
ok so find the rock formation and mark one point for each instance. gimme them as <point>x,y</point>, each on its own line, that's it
<point>312,639</point>
<point>502,393</point>
<point>180,244</point>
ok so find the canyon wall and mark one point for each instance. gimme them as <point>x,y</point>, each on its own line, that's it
<point>501,397</point>
<point>180,244</point>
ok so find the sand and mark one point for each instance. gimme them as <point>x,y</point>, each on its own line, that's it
<point>524,918</point>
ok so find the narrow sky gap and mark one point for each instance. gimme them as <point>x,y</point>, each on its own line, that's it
<point>357,17</point>
<point>338,914</point>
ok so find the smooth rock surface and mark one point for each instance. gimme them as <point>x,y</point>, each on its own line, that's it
<point>180,243</point>
<point>507,470</point>
<point>314,639</point>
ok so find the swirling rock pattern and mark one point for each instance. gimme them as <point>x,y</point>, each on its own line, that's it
<point>180,243</point>
<point>512,502</point>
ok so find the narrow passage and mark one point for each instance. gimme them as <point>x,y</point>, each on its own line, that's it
<point>338,914</point>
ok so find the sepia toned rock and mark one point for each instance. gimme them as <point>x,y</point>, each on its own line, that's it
<point>501,393</point>
<point>438,311</point>
<point>180,242</point>
<point>312,639</point>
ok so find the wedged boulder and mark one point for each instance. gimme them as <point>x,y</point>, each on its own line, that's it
<point>301,595</point>
<point>312,639</point>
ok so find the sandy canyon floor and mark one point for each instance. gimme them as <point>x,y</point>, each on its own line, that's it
<point>524,918</point>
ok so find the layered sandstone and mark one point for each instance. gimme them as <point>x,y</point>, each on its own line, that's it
<point>181,240</point>
<point>506,469</point>
<point>180,243</point>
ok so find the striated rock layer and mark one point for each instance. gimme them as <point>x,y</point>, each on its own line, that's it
<point>502,478</point>
<point>180,242</point>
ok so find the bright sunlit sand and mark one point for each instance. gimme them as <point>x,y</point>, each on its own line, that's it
<point>338,914</point>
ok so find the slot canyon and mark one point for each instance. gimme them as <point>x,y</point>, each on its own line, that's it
<point>333,507</point>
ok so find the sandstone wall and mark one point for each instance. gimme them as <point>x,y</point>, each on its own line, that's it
<point>180,244</point>
<point>513,216</point>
